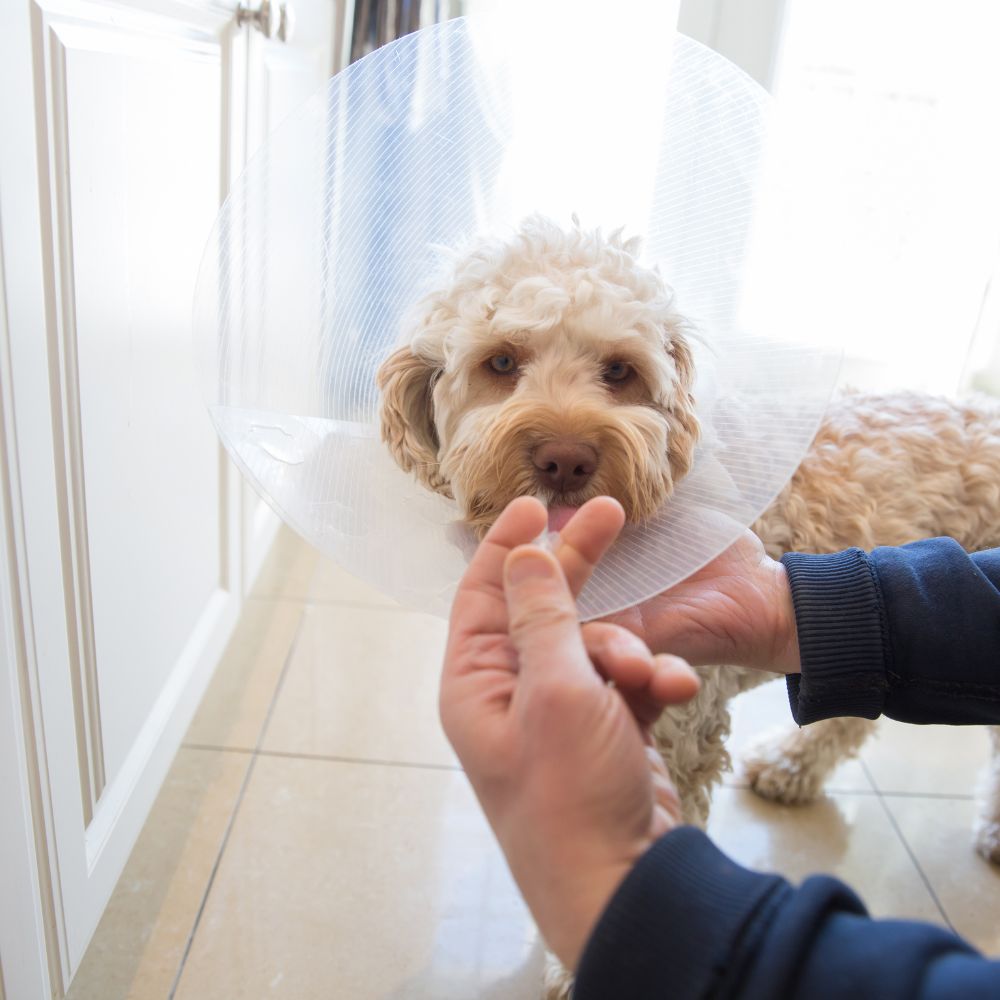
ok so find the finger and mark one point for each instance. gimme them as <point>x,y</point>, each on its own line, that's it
<point>624,658</point>
<point>618,655</point>
<point>670,681</point>
<point>587,537</point>
<point>542,617</point>
<point>674,681</point>
<point>480,605</point>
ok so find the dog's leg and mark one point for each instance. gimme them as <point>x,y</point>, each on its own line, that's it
<point>793,766</point>
<point>691,739</point>
<point>987,829</point>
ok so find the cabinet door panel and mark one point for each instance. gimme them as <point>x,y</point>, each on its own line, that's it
<point>142,150</point>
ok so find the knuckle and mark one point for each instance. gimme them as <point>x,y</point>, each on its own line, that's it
<point>541,616</point>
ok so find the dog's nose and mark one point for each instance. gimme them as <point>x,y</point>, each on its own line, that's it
<point>565,465</point>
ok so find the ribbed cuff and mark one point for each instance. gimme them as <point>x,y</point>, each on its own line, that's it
<point>676,925</point>
<point>842,637</point>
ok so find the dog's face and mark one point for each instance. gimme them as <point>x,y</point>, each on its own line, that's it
<point>551,366</point>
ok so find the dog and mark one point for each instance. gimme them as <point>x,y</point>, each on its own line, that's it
<point>550,365</point>
<point>553,364</point>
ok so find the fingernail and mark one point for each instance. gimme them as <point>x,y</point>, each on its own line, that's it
<point>528,565</point>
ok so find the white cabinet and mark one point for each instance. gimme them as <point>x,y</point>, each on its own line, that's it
<point>126,537</point>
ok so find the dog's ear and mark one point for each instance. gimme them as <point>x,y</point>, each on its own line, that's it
<point>680,351</point>
<point>681,419</point>
<point>406,414</point>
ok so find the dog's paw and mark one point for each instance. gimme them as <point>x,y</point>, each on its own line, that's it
<point>558,981</point>
<point>776,772</point>
<point>987,839</point>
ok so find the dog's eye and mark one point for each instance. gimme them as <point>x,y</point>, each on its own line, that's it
<point>503,364</point>
<point>617,371</point>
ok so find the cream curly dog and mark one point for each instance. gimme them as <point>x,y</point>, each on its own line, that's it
<point>554,364</point>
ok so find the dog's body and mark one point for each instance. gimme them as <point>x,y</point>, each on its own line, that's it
<point>555,365</point>
<point>884,469</point>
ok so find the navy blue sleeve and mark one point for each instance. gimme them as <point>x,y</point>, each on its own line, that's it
<point>688,922</point>
<point>911,632</point>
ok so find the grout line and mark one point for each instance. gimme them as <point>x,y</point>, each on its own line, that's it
<point>945,796</point>
<point>235,811</point>
<point>907,848</point>
<point>211,879</point>
<point>217,749</point>
<point>334,758</point>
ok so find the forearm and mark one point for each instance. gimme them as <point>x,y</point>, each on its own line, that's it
<point>689,922</point>
<point>911,632</point>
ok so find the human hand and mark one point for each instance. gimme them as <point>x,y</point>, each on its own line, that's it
<point>562,762</point>
<point>737,610</point>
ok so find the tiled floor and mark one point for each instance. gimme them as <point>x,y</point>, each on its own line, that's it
<point>316,838</point>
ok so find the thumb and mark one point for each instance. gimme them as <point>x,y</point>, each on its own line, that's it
<point>543,623</point>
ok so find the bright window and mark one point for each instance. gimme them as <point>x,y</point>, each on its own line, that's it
<point>887,231</point>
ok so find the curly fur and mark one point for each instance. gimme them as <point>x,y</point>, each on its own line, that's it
<point>563,305</point>
<point>884,469</point>
<point>987,827</point>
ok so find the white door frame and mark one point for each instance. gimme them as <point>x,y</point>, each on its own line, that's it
<point>28,935</point>
<point>29,943</point>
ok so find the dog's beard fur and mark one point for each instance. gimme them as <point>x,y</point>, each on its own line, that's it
<point>490,462</point>
<point>474,441</point>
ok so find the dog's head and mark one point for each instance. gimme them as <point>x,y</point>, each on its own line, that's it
<point>552,365</point>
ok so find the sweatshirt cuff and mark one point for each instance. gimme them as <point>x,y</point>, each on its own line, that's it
<point>675,924</point>
<point>842,636</point>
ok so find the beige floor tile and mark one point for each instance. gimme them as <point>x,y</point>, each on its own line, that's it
<point>939,834</point>
<point>845,835</point>
<point>765,710</point>
<point>234,707</point>
<point>140,940</point>
<point>361,881</point>
<point>362,683</point>
<point>927,759</point>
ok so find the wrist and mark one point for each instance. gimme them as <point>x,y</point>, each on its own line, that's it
<point>785,655</point>
<point>567,915</point>
<point>567,877</point>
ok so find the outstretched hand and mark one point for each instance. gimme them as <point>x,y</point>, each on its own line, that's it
<point>560,759</point>
<point>735,610</point>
